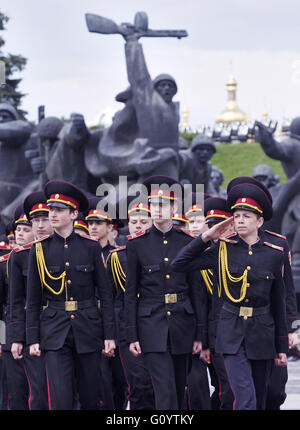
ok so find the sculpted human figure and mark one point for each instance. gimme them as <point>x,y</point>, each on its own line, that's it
<point>217,179</point>
<point>195,164</point>
<point>15,171</point>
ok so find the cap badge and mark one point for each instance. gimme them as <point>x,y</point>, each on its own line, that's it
<point>57,196</point>
<point>243,200</point>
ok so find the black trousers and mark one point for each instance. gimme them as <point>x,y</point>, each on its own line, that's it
<point>168,373</point>
<point>3,387</point>
<point>114,384</point>
<point>26,381</point>
<point>140,390</point>
<point>222,397</point>
<point>67,371</point>
<point>249,379</point>
<point>198,393</point>
<point>276,388</point>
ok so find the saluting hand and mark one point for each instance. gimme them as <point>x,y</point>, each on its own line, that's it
<point>16,350</point>
<point>217,230</point>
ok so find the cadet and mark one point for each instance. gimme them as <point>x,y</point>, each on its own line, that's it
<point>140,392</point>
<point>114,385</point>
<point>36,211</point>
<point>216,211</point>
<point>16,372</point>
<point>252,327</point>
<point>65,269</point>
<point>165,321</point>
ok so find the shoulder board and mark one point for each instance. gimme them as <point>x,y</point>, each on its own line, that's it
<point>228,240</point>
<point>23,248</point>
<point>120,248</point>
<point>231,235</point>
<point>5,257</point>
<point>86,236</point>
<point>188,233</point>
<point>134,236</point>
<point>271,245</point>
<point>275,234</point>
<point>41,239</point>
<point>6,247</point>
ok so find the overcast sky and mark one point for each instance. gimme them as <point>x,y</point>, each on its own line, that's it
<point>72,70</point>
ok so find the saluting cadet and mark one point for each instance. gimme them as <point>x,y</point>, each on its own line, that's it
<point>36,211</point>
<point>276,389</point>
<point>16,372</point>
<point>252,328</point>
<point>66,270</point>
<point>164,321</point>
<point>114,385</point>
<point>140,391</point>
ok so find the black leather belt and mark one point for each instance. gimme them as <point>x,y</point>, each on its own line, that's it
<point>72,305</point>
<point>246,311</point>
<point>165,298</point>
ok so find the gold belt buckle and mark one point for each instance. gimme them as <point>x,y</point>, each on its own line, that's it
<point>170,298</point>
<point>71,305</point>
<point>245,312</point>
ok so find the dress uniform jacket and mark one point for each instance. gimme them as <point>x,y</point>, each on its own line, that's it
<point>17,287</point>
<point>4,313</point>
<point>149,319</point>
<point>266,334</point>
<point>85,280</point>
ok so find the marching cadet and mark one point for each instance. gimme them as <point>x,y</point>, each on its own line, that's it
<point>80,225</point>
<point>10,234</point>
<point>36,212</point>
<point>140,392</point>
<point>180,221</point>
<point>276,389</point>
<point>215,211</point>
<point>198,391</point>
<point>66,271</point>
<point>114,385</point>
<point>164,321</point>
<point>16,373</point>
<point>252,329</point>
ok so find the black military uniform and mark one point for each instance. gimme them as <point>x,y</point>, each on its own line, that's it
<point>140,390</point>
<point>276,390</point>
<point>252,325</point>
<point>4,398</point>
<point>67,272</point>
<point>114,386</point>
<point>166,317</point>
<point>18,382</point>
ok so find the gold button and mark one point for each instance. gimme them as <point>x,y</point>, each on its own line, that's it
<point>248,267</point>
<point>149,270</point>
<point>69,281</point>
<point>71,298</point>
<point>72,316</point>
<point>168,276</point>
<point>165,242</point>
<point>268,277</point>
<point>67,264</point>
<point>168,313</point>
<point>66,245</point>
<point>247,300</point>
<point>166,259</point>
<point>247,285</point>
<point>250,252</point>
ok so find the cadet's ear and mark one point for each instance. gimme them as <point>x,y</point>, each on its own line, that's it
<point>260,221</point>
<point>175,206</point>
<point>74,214</point>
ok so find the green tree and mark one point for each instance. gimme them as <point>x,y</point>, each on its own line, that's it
<point>13,63</point>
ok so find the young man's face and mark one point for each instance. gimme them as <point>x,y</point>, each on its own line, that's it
<point>160,212</point>
<point>61,217</point>
<point>139,222</point>
<point>197,225</point>
<point>24,234</point>
<point>246,223</point>
<point>41,226</point>
<point>99,229</point>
